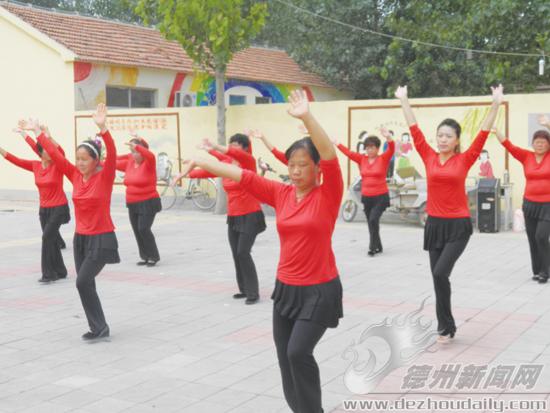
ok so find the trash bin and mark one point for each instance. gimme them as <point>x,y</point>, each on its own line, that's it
<point>488,205</point>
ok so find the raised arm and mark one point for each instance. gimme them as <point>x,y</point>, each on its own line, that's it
<point>402,94</point>
<point>519,153</point>
<point>21,163</point>
<point>246,160</point>
<point>109,166</point>
<point>60,161</point>
<point>390,150</point>
<point>299,108</point>
<point>121,164</point>
<point>279,155</point>
<point>354,156</point>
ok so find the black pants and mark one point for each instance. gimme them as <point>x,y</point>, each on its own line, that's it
<point>87,268</point>
<point>538,234</point>
<point>241,245</point>
<point>295,341</point>
<point>442,261</point>
<point>52,263</point>
<point>374,207</point>
<point>141,224</point>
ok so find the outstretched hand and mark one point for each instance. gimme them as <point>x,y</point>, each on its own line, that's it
<point>187,166</point>
<point>401,92</point>
<point>299,105</point>
<point>385,133</point>
<point>205,145</point>
<point>100,117</point>
<point>498,93</point>
<point>544,121</point>
<point>254,133</point>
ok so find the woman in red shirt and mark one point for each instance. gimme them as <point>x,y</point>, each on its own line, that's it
<point>536,198</point>
<point>374,189</point>
<point>142,198</point>
<point>95,243</point>
<point>245,218</point>
<point>276,152</point>
<point>54,208</point>
<point>448,227</point>
<point>308,293</point>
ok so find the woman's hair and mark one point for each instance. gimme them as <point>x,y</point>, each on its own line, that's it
<point>89,145</point>
<point>451,123</point>
<point>140,141</point>
<point>39,149</point>
<point>541,134</point>
<point>372,140</point>
<point>307,144</point>
<point>241,139</point>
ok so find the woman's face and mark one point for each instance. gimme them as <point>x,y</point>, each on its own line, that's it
<point>372,151</point>
<point>541,146</point>
<point>447,140</point>
<point>84,162</point>
<point>236,145</point>
<point>137,156</point>
<point>302,170</point>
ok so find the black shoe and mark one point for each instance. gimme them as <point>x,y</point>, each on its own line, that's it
<point>250,301</point>
<point>239,295</point>
<point>371,253</point>
<point>145,262</point>
<point>535,277</point>
<point>151,263</point>
<point>61,277</point>
<point>543,278</point>
<point>378,250</point>
<point>94,336</point>
<point>47,279</point>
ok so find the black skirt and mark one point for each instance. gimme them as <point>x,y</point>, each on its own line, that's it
<point>148,207</point>
<point>536,210</point>
<point>321,303</point>
<point>252,223</point>
<point>61,212</point>
<point>377,200</point>
<point>103,247</point>
<point>439,231</point>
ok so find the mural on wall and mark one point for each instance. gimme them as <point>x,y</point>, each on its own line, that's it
<point>161,131</point>
<point>407,160</point>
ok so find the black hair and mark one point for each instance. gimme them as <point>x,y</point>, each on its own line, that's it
<point>372,140</point>
<point>541,134</point>
<point>241,139</point>
<point>89,150</point>
<point>39,149</point>
<point>451,123</point>
<point>139,141</point>
<point>307,144</point>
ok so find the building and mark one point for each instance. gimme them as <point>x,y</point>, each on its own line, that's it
<point>130,66</point>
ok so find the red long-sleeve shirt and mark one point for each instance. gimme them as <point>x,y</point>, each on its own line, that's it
<point>374,174</point>
<point>140,179</point>
<point>92,199</point>
<point>537,175</point>
<point>305,228</point>
<point>49,181</point>
<point>446,183</point>
<point>279,155</point>
<point>239,201</point>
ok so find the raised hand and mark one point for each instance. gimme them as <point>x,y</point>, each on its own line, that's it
<point>205,145</point>
<point>498,94</point>
<point>34,125</point>
<point>334,141</point>
<point>254,134</point>
<point>544,121</point>
<point>100,117</point>
<point>401,92</point>
<point>187,166</point>
<point>44,129</point>
<point>299,105</point>
<point>132,145</point>
<point>385,133</point>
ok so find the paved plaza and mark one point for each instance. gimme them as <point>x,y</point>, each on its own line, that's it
<point>180,343</point>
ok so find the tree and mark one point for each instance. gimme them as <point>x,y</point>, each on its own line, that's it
<point>210,32</point>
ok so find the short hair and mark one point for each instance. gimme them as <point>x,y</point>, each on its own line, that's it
<point>307,144</point>
<point>241,139</point>
<point>372,140</point>
<point>140,141</point>
<point>541,134</point>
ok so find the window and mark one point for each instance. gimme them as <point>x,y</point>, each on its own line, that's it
<point>262,100</point>
<point>121,97</point>
<point>237,100</point>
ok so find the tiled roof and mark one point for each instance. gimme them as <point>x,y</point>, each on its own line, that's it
<point>103,41</point>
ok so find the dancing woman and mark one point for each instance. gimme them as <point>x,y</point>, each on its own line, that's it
<point>308,294</point>
<point>245,218</point>
<point>95,243</point>
<point>142,198</point>
<point>54,208</point>
<point>448,227</point>
<point>536,197</point>
<point>374,188</point>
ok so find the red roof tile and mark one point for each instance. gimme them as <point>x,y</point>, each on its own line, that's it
<point>103,41</point>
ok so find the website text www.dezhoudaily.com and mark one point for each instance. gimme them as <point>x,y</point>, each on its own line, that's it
<point>428,404</point>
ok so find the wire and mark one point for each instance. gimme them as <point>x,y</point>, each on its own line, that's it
<point>403,39</point>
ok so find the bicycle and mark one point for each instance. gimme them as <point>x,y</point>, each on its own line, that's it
<point>202,192</point>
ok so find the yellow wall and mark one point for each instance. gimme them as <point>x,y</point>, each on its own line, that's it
<point>34,81</point>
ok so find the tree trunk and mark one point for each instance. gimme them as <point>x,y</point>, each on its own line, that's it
<point>221,202</point>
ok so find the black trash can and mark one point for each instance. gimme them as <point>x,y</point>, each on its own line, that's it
<point>488,205</point>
